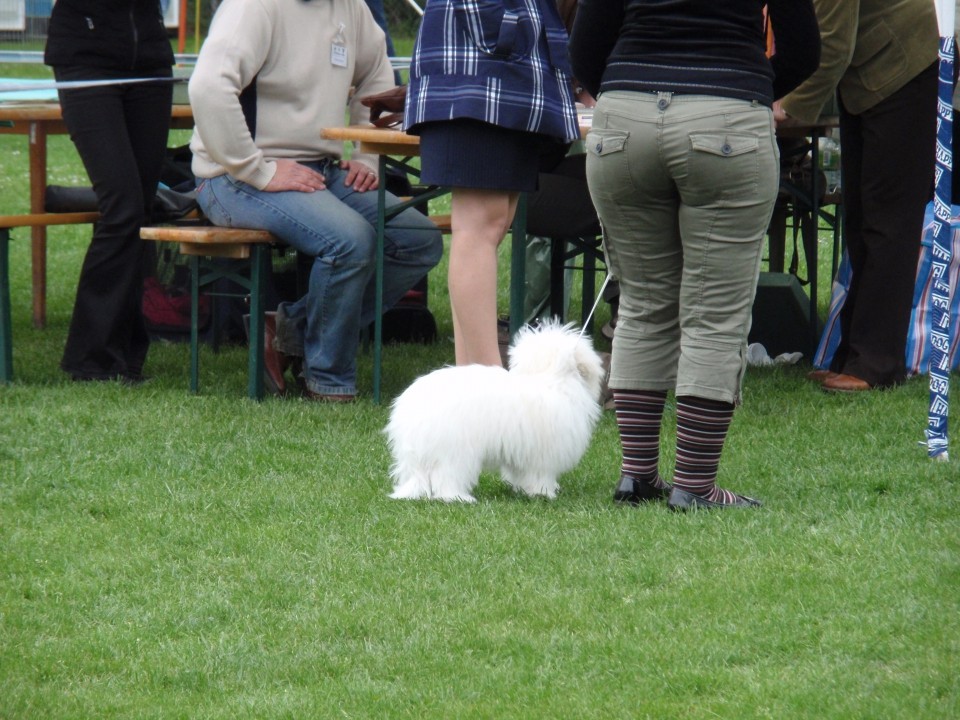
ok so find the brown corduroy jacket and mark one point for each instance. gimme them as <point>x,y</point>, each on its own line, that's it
<point>870,49</point>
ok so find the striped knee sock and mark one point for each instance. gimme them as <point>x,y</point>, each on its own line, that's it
<point>701,431</point>
<point>639,413</point>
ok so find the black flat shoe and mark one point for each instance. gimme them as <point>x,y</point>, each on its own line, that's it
<point>121,378</point>
<point>134,379</point>
<point>634,491</point>
<point>681,500</point>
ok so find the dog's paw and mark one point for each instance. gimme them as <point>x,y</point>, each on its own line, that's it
<point>546,489</point>
<point>547,494</point>
<point>408,491</point>
<point>413,491</point>
<point>459,497</point>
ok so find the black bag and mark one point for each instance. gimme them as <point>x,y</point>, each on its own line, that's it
<point>410,320</point>
<point>175,198</point>
<point>168,205</point>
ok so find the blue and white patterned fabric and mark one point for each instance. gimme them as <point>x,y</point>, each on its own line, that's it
<point>918,349</point>
<point>499,61</point>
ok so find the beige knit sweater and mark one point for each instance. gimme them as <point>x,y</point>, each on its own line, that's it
<point>306,57</point>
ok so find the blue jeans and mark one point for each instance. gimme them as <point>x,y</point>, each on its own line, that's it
<point>337,227</point>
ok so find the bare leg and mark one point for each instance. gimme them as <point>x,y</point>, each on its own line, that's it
<point>480,220</point>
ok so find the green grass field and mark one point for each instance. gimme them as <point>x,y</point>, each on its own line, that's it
<point>164,555</point>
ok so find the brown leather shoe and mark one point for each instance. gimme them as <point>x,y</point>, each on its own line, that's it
<point>821,375</point>
<point>845,383</point>
<point>320,397</point>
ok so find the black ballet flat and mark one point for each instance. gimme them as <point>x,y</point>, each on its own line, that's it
<point>635,491</point>
<point>681,500</point>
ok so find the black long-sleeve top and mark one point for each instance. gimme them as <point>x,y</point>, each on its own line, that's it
<point>115,34</point>
<point>702,47</point>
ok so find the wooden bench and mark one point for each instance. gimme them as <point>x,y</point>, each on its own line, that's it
<point>442,222</point>
<point>251,251</point>
<point>8,223</point>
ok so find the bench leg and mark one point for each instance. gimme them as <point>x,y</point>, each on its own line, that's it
<point>378,280</point>
<point>259,268</point>
<point>253,277</point>
<point>194,324</point>
<point>6,326</point>
<point>518,260</point>
<point>558,252</point>
<point>777,237</point>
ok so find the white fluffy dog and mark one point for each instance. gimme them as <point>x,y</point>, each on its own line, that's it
<point>532,422</point>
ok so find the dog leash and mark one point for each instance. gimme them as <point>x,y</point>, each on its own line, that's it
<point>596,302</point>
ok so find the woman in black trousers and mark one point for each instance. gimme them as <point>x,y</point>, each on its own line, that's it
<point>120,131</point>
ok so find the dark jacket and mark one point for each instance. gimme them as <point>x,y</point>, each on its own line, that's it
<point>503,62</point>
<point>115,34</point>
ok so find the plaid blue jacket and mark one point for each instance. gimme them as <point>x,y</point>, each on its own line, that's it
<point>500,61</point>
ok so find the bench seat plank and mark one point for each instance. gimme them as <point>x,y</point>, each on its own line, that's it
<point>44,219</point>
<point>8,223</point>
<point>205,242</point>
<point>205,235</point>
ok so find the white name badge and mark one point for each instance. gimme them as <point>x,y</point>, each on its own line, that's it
<point>338,55</point>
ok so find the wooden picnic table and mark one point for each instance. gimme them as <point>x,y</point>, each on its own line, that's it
<point>37,121</point>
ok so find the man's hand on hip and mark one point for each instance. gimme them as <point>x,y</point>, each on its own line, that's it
<point>359,176</point>
<point>291,175</point>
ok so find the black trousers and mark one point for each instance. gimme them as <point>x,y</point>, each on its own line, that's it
<point>561,205</point>
<point>887,176</point>
<point>120,132</point>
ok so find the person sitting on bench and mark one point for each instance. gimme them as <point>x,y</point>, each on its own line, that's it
<point>261,163</point>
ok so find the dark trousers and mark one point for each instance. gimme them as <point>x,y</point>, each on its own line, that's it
<point>120,132</point>
<point>887,174</point>
<point>561,205</point>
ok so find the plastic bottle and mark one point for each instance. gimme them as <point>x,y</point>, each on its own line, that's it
<point>830,162</point>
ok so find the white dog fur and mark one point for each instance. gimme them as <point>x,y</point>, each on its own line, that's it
<point>532,423</point>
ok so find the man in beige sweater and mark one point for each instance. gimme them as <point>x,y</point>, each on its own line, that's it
<point>270,75</point>
<point>880,57</point>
